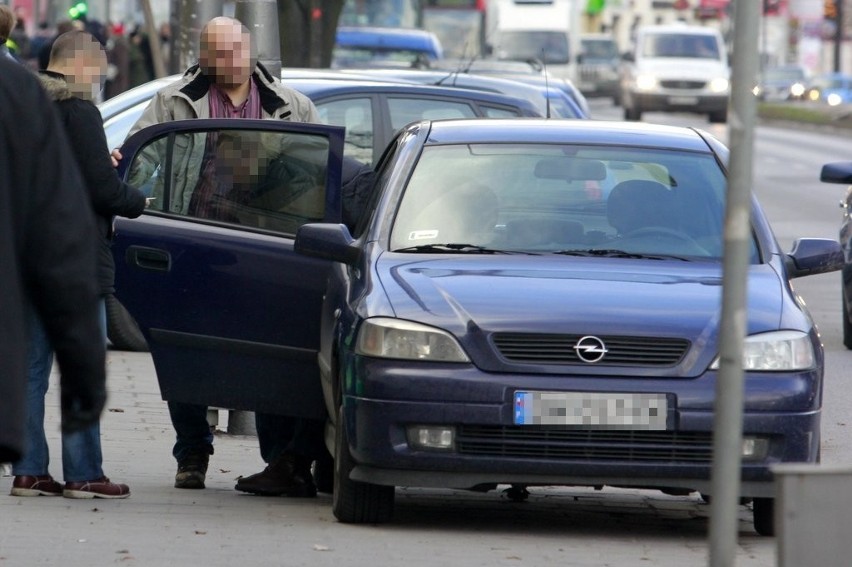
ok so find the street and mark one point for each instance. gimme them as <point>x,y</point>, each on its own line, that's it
<point>159,525</point>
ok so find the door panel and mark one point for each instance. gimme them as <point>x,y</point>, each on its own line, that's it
<point>230,311</point>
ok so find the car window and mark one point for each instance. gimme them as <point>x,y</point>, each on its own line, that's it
<point>551,46</point>
<point>356,115</point>
<point>551,198</point>
<point>407,110</point>
<point>264,180</point>
<point>117,126</point>
<point>499,112</point>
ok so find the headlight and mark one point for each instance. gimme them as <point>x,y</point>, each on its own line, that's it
<point>646,82</point>
<point>834,99</point>
<point>756,90</point>
<point>384,337</point>
<point>797,89</point>
<point>813,94</point>
<point>777,351</point>
<point>719,85</point>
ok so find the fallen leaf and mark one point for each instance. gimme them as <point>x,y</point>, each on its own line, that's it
<point>199,532</point>
<point>116,410</point>
<point>95,510</point>
<point>318,547</point>
<point>123,551</point>
<point>224,471</point>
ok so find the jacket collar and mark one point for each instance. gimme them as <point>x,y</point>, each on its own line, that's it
<point>198,85</point>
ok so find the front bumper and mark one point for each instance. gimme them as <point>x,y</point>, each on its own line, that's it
<point>675,101</point>
<point>386,398</point>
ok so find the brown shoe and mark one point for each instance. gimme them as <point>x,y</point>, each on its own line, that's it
<point>98,488</point>
<point>192,470</point>
<point>288,475</point>
<point>42,485</point>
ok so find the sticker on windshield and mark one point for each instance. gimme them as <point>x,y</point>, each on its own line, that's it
<point>422,234</point>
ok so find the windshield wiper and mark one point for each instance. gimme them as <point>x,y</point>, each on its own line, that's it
<point>458,248</point>
<point>614,253</point>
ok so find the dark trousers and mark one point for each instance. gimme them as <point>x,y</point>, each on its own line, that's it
<point>276,434</point>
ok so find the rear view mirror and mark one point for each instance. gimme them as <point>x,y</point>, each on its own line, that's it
<point>570,168</point>
<point>840,172</point>
<point>811,256</point>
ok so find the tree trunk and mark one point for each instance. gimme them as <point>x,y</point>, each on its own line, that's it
<point>307,31</point>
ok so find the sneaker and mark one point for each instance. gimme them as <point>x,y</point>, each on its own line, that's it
<point>98,488</point>
<point>192,470</point>
<point>42,485</point>
<point>288,475</point>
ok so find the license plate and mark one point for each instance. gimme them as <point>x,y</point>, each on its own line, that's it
<point>586,410</point>
<point>683,100</point>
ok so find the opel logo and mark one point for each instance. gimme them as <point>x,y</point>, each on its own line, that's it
<point>590,349</point>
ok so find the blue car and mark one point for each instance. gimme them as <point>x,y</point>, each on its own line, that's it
<point>499,319</point>
<point>357,47</point>
<point>833,89</point>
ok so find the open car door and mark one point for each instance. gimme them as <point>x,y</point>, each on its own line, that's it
<point>230,312</point>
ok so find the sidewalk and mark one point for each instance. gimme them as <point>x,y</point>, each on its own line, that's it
<point>160,525</point>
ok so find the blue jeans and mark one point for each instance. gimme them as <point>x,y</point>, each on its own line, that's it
<point>81,450</point>
<point>276,434</point>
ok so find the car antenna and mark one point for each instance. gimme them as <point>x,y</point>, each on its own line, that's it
<point>546,84</point>
<point>459,69</point>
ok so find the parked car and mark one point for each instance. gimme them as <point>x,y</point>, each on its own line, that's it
<point>842,173</point>
<point>833,89</point>
<point>369,109</point>
<point>676,68</point>
<point>787,82</point>
<point>359,47</point>
<point>497,320</point>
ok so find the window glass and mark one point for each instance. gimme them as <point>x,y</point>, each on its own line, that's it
<point>356,115</point>
<point>407,110</point>
<point>548,198</point>
<point>684,45</point>
<point>267,180</point>
<point>496,112</point>
<point>549,46</point>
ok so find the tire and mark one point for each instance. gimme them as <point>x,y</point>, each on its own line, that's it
<point>764,516</point>
<point>847,325</point>
<point>356,502</point>
<point>632,114</point>
<point>122,330</point>
<point>719,116</point>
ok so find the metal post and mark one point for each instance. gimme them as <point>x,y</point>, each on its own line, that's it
<point>838,35</point>
<point>261,18</point>
<point>154,40</point>
<point>728,417</point>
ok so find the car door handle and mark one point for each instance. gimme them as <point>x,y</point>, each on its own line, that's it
<point>149,258</point>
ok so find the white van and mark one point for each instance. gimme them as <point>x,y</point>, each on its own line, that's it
<point>676,68</point>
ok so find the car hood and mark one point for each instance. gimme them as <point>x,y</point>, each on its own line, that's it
<point>479,295</point>
<point>684,68</point>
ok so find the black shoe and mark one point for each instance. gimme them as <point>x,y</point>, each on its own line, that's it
<point>192,470</point>
<point>288,475</point>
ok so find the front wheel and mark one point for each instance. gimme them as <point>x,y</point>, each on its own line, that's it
<point>632,114</point>
<point>356,502</point>
<point>719,116</point>
<point>122,330</point>
<point>847,325</point>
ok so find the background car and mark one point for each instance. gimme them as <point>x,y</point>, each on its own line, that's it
<point>369,109</point>
<point>833,89</point>
<point>536,303</point>
<point>359,47</point>
<point>597,66</point>
<point>788,82</point>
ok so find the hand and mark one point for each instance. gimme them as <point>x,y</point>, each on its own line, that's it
<point>116,157</point>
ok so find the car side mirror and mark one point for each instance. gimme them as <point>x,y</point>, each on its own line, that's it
<point>327,241</point>
<point>839,172</point>
<point>628,57</point>
<point>811,256</point>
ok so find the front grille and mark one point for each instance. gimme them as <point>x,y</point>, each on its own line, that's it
<point>526,442</point>
<point>540,348</point>
<point>589,73</point>
<point>692,85</point>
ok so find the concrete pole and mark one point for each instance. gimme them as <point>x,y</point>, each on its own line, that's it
<point>193,14</point>
<point>154,40</point>
<point>728,417</point>
<point>261,18</point>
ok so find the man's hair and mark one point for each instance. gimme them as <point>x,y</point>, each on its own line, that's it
<point>73,44</point>
<point>7,22</point>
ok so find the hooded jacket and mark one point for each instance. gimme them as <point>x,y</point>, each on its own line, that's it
<point>47,258</point>
<point>109,195</point>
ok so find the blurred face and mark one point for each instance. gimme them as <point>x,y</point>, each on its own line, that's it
<point>88,69</point>
<point>225,54</point>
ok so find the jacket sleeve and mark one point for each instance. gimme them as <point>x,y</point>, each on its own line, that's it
<point>109,194</point>
<point>156,112</point>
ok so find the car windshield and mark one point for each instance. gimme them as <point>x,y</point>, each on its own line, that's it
<point>788,75</point>
<point>566,199</point>
<point>599,49</point>
<point>694,46</point>
<point>550,47</point>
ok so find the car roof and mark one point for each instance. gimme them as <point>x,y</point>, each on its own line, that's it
<point>388,38</point>
<point>537,130</point>
<point>679,28</point>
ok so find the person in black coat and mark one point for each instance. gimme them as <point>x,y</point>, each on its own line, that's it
<point>74,75</point>
<point>46,260</point>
